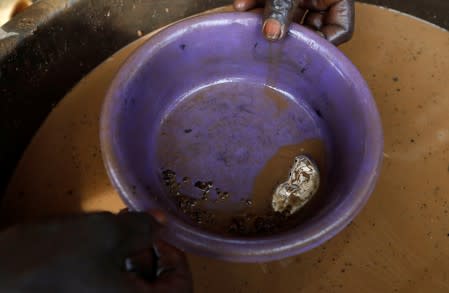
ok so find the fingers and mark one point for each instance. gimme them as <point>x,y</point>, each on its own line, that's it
<point>278,16</point>
<point>163,269</point>
<point>314,20</point>
<point>272,29</point>
<point>316,5</point>
<point>333,19</point>
<point>245,5</point>
<point>338,25</point>
<point>299,14</point>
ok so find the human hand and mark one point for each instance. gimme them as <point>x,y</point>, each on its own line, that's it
<point>98,252</point>
<point>332,19</point>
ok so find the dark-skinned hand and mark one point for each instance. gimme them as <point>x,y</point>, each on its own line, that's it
<point>99,252</point>
<point>332,19</point>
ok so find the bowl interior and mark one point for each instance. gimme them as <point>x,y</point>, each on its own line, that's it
<point>210,102</point>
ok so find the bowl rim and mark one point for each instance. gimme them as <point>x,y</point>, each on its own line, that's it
<point>260,249</point>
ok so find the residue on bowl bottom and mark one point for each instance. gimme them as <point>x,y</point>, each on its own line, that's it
<point>255,214</point>
<point>206,211</point>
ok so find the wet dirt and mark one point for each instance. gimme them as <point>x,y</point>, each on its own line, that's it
<point>253,215</point>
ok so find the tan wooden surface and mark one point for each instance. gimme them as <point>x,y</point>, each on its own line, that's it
<point>399,242</point>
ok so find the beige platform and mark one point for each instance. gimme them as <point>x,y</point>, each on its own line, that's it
<point>400,241</point>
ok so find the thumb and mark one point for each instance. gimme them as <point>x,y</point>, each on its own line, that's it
<point>278,16</point>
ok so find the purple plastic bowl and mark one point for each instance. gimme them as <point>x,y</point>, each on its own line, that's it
<point>192,98</point>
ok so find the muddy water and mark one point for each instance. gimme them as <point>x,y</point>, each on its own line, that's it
<point>253,215</point>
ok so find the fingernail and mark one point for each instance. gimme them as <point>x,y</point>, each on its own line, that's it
<point>272,29</point>
<point>240,5</point>
<point>158,216</point>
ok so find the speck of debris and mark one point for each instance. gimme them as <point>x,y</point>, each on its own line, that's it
<point>187,130</point>
<point>139,33</point>
<point>412,140</point>
<point>395,79</point>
